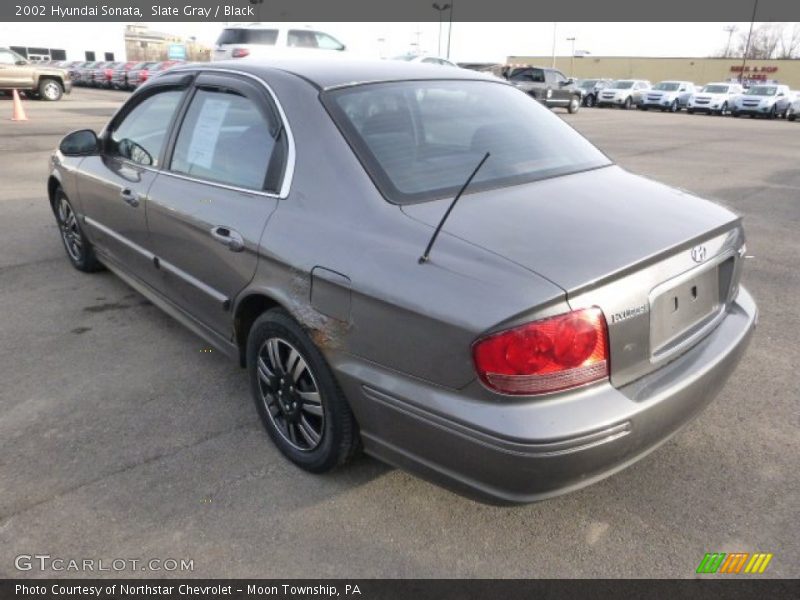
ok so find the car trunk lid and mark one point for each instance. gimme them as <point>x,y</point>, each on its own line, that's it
<point>614,240</point>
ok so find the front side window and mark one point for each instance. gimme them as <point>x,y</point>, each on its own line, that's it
<point>141,135</point>
<point>226,138</point>
<point>420,140</point>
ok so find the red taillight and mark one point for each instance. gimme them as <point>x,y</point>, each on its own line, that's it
<point>143,75</point>
<point>553,354</point>
<point>240,52</point>
<point>109,73</point>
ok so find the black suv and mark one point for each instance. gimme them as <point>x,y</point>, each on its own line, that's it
<point>549,86</point>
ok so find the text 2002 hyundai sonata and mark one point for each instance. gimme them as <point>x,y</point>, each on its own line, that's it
<point>567,320</point>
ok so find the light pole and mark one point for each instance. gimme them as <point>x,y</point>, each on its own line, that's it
<point>450,27</point>
<point>747,45</point>
<point>440,8</point>
<point>731,29</point>
<point>572,57</point>
<point>555,26</point>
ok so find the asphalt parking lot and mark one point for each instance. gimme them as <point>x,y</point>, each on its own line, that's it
<point>121,438</point>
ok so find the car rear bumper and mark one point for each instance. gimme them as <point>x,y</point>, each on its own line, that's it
<point>528,450</point>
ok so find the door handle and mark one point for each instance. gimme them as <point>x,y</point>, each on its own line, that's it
<point>130,197</point>
<point>228,237</point>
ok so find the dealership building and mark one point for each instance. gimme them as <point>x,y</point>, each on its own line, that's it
<point>698,70</point>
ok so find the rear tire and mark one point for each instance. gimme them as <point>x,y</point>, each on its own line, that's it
<point>574,105</point>
<point>791,117</point>
<point>300,404</point>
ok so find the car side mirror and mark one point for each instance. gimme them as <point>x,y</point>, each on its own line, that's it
<point>21,63</point>
<point>83,142</point>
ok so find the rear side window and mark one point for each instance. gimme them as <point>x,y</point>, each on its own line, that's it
<point>301,38</point>
<point>421,139</point>
<point>264,37</point>
<point>141,134</point>
<point>225,138</point>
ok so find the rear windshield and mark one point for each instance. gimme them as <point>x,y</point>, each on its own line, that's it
<point>420,140</point>
<point>587,84</point>
<point>265,37</point>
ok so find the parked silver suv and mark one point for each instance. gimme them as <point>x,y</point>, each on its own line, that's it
<point>768,101</point>
<point>715,98</point>
<point>667,95</point>
<point>624,93</point>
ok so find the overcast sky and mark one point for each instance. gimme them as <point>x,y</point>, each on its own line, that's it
<point>489,42</point>
<point>495,41</point>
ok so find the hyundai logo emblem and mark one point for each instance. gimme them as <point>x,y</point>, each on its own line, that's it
<point>699,253</point>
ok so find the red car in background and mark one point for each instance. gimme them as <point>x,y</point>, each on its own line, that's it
<point>137,77</point>
<point>101,76</point>
<point>119,76</point>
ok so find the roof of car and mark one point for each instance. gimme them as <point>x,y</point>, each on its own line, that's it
<point>326,73</point>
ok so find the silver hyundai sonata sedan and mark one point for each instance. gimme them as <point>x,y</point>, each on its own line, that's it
<point>423,263</point>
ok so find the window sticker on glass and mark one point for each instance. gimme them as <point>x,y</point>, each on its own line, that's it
<point>206,131</point>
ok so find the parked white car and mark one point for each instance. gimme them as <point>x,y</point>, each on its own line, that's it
<point>263,40</point>
<point>793,112</point>
<point>768,101</point>
<point>668,95</point>
<point>624,93</point>
<point>715,98</point>
<point>428,60</point>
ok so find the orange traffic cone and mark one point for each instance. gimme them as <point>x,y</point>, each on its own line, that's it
<point>19,112</point>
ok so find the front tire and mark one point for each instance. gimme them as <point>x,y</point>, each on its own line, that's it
<point>628,103</point>
<point>589,101</point>
<point>723,110</point>
<point>300,404</point>
<point>79,250</point>
<point>50,90</point>
<point>674,106</point>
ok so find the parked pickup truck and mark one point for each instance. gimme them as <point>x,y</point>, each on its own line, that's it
<point>549,86</point>
<point>37,81</point>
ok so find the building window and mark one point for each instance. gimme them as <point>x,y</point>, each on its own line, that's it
<point>109,56</point>
<point>89,56</point>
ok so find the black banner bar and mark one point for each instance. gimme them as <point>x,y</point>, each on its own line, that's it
<point>399,10</point>
<point>733,588</point>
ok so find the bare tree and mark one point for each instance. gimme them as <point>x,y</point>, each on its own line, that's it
<point>790,43</point>
<point>768,41</point>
